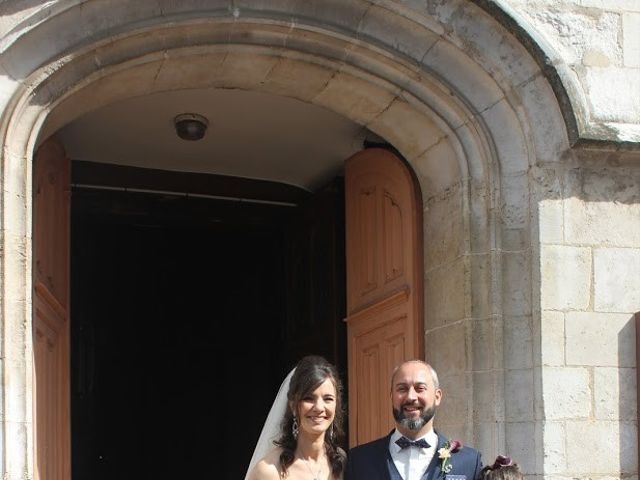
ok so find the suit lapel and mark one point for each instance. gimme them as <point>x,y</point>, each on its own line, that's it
<point>434,472</point>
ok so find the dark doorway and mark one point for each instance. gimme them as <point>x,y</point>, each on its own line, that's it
<point>187,310</point>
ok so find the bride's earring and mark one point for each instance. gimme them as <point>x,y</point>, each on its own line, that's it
<point>294,428</point>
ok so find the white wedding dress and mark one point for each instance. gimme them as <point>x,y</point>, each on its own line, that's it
<point>271,427</point>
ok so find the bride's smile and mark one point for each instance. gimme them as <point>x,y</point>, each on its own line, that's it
<point>318,408</point>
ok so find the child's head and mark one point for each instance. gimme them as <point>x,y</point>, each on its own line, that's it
<point>502,469</point>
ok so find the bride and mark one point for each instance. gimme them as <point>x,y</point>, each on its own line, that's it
<point>300,439</point>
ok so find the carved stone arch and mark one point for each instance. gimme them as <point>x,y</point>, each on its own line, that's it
<point>465,127</point>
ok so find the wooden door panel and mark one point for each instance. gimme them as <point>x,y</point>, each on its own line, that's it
<point>51,405</point>
<point>52,416</point>
<point>379,338</point>
<point>382,231</point>
<point>392,248</point>
<point>384,284</point>
<point>362,260</point>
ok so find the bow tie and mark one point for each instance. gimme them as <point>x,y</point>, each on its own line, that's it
<point>404,442</point>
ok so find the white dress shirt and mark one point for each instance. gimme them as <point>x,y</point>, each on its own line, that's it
<point>412,462</point>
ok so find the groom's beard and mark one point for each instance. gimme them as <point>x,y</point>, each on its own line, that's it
<point>414,423</point>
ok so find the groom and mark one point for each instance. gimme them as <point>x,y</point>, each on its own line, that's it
<point>413,450</point>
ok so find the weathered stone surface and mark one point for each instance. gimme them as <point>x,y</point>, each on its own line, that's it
<point>617,282</point>
<point>552,338</point>
<point>519,404</point>
<point>615,393</point>
<point>555,456</point>
<point>600,339</point>
<point>601,458</point>
<point>566,277</point>
<point>567,393</point>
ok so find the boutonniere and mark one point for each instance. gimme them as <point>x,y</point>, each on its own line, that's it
<point>444,454</point>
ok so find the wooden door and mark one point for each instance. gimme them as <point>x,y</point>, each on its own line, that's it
<point>52,416</point>
<point>384,284</point>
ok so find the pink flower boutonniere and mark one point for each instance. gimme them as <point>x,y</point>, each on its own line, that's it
<point>444,454</point>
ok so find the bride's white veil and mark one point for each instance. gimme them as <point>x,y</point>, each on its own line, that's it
<point>271,426</point>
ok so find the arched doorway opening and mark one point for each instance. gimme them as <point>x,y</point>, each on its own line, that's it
<point>193,293</point>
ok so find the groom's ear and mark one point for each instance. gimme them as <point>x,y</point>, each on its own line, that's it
<point>438,394</point>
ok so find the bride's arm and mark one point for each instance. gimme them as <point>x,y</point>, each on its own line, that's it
<point>265,469</point>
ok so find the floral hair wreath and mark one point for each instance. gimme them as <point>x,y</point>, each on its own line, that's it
<point>444,454</point>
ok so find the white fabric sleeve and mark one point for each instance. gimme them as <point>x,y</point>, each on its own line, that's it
<point>271,427</point>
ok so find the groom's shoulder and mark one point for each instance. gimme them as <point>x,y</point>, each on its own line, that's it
<point>371,446</point>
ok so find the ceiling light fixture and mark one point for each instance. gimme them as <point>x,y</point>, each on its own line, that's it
<point>190,126</point>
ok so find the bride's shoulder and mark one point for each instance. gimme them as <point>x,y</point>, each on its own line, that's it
<point>268,468</point>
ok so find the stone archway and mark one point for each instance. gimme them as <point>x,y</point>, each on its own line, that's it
<point>466,127</point>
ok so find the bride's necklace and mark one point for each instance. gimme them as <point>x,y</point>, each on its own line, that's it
<point>316,476</point>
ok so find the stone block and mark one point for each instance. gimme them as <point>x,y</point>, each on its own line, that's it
<point>467,77</point>
<point>488,400</point>
<point>600,339</point>
<point>549,135</point>
<point>631,39</point>
<point>445,294</point>
<point>486,343</point>
<point>492,47</point>
<point>612,448</point>
<point>515,211</point>
<point>455,404</point>
<point>448,345</point>
<point>565,277</point>
<point>401,124</point>
<point>519,395</point>
<point>204,70</point>
<point>552,338</point>
<point>489,439</point>
<point>443,230</point>
<point>305,79</point>
<point>338,13</point>
<point>551,221</point>
<point>605,86</point>
<point>439,166</point>
<point>516,283</point>
<point>483,286</point>
<point>511,150</point>
<point>482,230</point>
<point>612,5</point>
<point>566,393</point>
<point>554,447</point>
<point>520,440</point>
<point>355,98</point>
<point>404,33</point>
<point>616,279</point>
<point>614,393</point>
<point>518,342</point>
<point>605,222</point>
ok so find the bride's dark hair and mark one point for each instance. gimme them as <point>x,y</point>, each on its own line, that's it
<point>311,371</point>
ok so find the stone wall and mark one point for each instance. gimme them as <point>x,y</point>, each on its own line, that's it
<point>589,291</point>
<point>596,47</point>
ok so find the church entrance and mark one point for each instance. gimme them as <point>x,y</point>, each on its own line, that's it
<point>186,314</point>
<point>193,271</point>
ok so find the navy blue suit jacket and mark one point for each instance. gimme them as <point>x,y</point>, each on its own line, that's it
<point>372,461</point>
